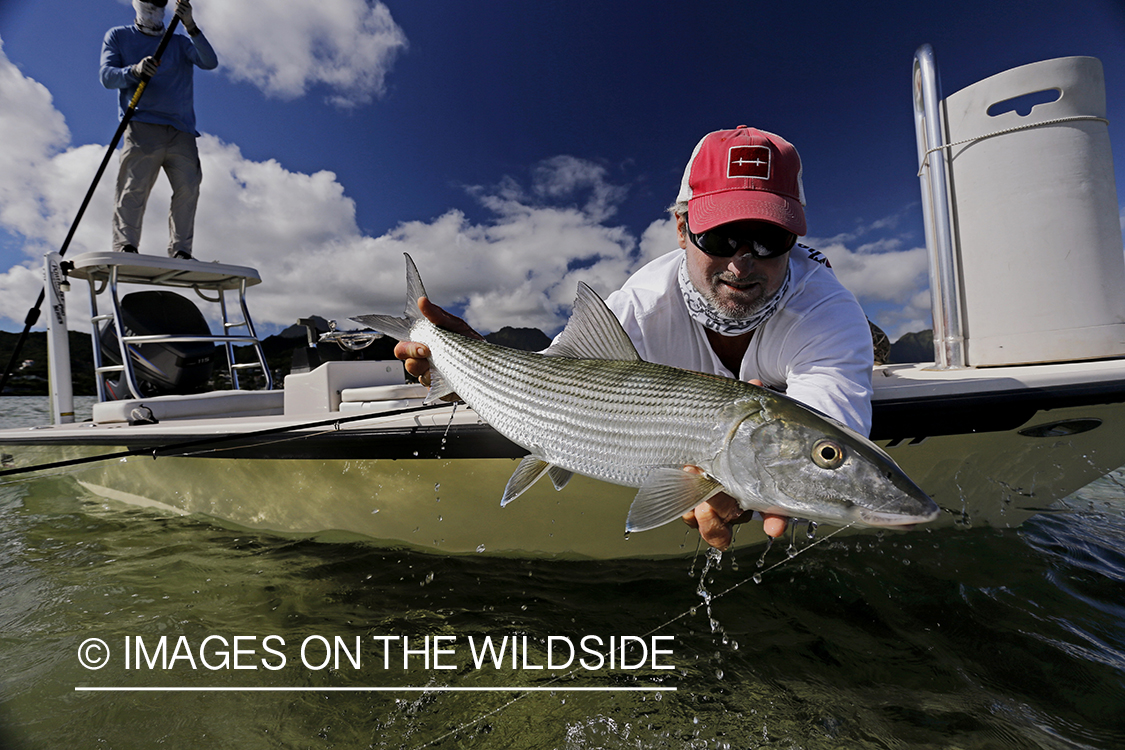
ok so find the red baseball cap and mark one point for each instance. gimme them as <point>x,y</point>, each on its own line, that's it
<point>744,174</point>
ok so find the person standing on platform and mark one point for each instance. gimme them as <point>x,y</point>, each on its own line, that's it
<point>161,133</point>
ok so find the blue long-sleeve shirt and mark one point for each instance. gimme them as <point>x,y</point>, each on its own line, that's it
<point>169,97</point>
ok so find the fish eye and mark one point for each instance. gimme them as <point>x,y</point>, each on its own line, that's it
<point>828,454</point>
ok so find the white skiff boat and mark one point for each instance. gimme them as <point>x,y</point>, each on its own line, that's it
<point>1023,404</point>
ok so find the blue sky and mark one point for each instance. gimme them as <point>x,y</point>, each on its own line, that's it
<point>512,148</point>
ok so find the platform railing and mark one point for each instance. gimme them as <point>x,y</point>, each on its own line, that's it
<point>125,340</point>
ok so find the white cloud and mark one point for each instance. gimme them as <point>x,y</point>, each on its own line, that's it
<point>285,47</point>
<point>561,177</point>
<point>24,102</point>
<point>519,266</point>
<point>891,284</point>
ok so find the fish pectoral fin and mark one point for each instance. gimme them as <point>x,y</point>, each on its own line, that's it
<point>666,495</point>
<point>526,474</point>
<point>593,332</point>
<point>559,476</point>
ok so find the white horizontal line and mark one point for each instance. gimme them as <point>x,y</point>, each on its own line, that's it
<point>369,689</point>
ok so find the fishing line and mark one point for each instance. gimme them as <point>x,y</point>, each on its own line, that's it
<point>334,428</point>
<point>690,611</point>
<point>184,448</point>
<point>714,556</point>
<point>756,578</point>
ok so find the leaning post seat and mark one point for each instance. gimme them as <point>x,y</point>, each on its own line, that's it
<point>177,366</point>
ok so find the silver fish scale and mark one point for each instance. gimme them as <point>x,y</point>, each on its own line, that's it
<point>613,420</point>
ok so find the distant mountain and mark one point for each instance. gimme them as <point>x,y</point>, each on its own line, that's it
<point>527,339</point>
<point>31,378</point>
<point>297,331</point>
<point>913,347</point>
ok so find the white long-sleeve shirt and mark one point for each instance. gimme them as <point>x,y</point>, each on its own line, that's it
<point>816,348</point>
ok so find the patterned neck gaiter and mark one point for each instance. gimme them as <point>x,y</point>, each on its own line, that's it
<point>703,313</point>
<point>150,18</point>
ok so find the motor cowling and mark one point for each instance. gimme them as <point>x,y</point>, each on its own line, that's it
<point>173,367</point>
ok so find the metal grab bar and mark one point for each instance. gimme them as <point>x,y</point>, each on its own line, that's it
<point>945,287</point>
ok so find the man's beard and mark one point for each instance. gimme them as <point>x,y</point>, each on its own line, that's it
<point>715,309</point>
<point>739,298</point>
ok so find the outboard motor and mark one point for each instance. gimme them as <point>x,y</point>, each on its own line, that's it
<point>173,367</point>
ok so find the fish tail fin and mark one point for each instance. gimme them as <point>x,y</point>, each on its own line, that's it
<point>415,290</point>
<point>399,328</point>
<point>396,328</point>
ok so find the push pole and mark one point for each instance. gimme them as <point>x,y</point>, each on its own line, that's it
<point>33,314</point>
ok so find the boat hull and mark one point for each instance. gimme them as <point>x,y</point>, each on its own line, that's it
<point>433,482</point>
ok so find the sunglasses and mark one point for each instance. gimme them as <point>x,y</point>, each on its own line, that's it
<point>761,240</point>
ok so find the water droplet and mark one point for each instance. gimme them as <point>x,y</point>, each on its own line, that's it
<point>757,578</point>
<point>718,674</point>
<point>480,548</point>
<point>766,551</point>
<point>373,512</point>
<point>810,532</point>
<point>437,486</point>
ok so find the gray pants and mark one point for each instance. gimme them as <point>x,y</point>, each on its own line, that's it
<point>148,148</point>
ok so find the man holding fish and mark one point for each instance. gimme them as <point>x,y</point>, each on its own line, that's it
<point>740,298</point>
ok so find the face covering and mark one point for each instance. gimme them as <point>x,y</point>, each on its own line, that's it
<point>150,18</point>
<point>703,313</point>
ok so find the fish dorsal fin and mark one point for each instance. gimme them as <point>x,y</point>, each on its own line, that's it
<point>593,332</point>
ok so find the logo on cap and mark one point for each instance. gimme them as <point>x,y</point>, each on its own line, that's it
<point>749,161</point>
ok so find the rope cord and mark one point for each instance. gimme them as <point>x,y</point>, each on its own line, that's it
<point>1006,131</point>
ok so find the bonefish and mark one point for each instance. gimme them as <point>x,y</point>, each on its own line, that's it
<point>590,405</point>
